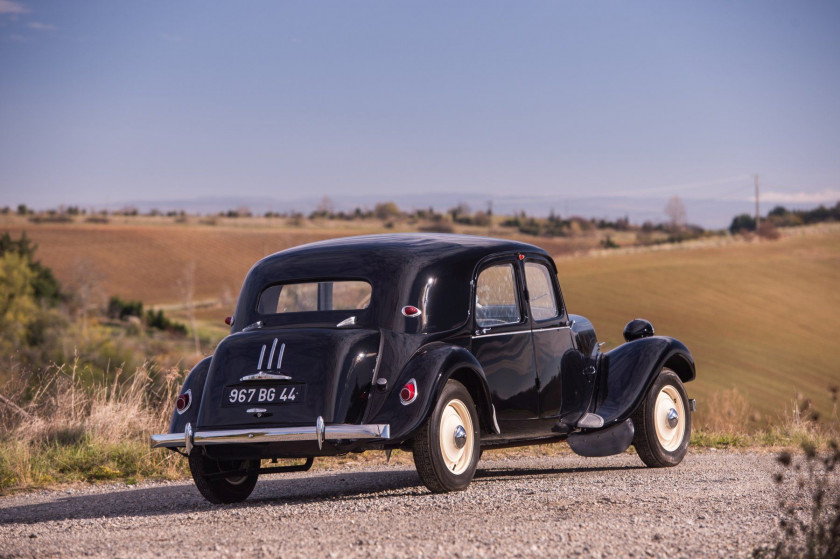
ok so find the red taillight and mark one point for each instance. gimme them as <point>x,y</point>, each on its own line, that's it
<point>409,392</point>
<point>410,311</point>
<point>229,320</point>
<point>183,401</point>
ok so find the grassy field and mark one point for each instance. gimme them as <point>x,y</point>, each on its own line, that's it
<point>762,318</point>
<point>145,259</point>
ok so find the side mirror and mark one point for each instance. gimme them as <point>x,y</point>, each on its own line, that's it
<point>638,328</point>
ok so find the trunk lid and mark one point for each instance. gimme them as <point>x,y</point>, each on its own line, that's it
<point>286,377</point>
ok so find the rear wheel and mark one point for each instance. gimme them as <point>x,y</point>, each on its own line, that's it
<point>215,486</point>
<point>663,422</point>
<point>447,446</point>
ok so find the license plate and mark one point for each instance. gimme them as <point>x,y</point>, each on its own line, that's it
<point>264,394</point>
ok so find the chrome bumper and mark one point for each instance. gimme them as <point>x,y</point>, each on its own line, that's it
<point>318,432</point>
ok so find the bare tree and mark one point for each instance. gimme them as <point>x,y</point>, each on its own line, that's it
<point>325,206</point>
<point>186,286</point>
<point>675,210</point>
<point>87,291</point>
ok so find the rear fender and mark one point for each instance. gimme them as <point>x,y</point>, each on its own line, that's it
<point>195,384</point>
<point>431,367</point>
<point>629,370</point>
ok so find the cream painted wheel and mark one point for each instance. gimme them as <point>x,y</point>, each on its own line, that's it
<point>447,445</point>
<point>662,422</point>
<point>456,437</point>
<point>669,418</point>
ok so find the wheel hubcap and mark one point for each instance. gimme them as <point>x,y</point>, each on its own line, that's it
<point>673,417</point>
<point>456,437</point>
<point>460,436</point>
<point>669,418</point>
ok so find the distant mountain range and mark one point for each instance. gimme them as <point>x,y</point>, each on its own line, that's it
<point>711,214</point>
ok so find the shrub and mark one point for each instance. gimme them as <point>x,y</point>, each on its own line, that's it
<point>159,321</point>
<point>44,284</point>
<point>119,309</point>
<point>810,529</point>
<point>609,243</point>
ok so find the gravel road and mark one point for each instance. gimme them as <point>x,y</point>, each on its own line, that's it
<point>713,504</point>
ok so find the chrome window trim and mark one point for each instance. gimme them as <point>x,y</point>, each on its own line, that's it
<point>551,328</point>
<point>510,333</point>
<point>521,332</point>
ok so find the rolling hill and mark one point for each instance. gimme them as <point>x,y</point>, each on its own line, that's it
<point>760,317</point>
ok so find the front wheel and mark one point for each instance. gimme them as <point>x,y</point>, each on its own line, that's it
<point>663,422</point>
<point>223,481</point>
<point>447,446</point>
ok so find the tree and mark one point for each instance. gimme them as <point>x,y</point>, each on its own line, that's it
<point>743,222</point>
<point>675,210</point>
<point>18,307</point>
<point>45,285</point>
<point>386,210</point>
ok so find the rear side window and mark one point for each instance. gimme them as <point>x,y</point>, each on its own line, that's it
<point>541,291</point>
<point>495,297</point>
<point>314,296</point>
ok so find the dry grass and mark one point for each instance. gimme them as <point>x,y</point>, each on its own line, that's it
<point>736,424</point>
<point>68,432</point>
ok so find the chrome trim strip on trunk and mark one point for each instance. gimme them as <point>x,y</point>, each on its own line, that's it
<point>341,431</point>
<point>264,376</point>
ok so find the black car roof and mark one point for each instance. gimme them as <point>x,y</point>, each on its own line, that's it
<point>435,246</point>
<point>399,267</point>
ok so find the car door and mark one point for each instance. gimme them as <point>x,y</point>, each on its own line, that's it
<point>551,334</point>
<point>502,345</point>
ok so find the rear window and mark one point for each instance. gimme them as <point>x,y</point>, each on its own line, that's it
<point>314,296</point>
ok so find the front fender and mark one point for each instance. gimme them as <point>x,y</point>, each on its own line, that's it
<point>195,384</point>
<point>629,370</point>
<point>431,367</point>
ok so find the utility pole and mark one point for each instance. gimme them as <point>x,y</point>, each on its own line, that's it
<point>757,214</point>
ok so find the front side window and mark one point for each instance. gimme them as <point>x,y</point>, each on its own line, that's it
<point>314,296</point>
<point>540,291</point>
<point>495,297</point>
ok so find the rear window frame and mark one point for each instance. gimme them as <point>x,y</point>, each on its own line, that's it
<point>321,315</point>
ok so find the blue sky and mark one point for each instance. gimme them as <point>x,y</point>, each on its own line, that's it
<point>108,101</point>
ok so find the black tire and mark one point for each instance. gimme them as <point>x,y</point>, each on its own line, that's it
<point>668,446</point>
<point>453,471</point>
<point>219,489</point>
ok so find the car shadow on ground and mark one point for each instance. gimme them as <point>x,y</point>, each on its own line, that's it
<point>179,498</point>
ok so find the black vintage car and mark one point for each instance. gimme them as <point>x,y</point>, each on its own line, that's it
<point>443,345</point>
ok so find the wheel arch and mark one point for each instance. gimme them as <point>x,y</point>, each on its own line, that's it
<point>476,385</point>
<point>632,368</point>
<point>682,364</point>
<point>195,384</point>
<point>431,367</point>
